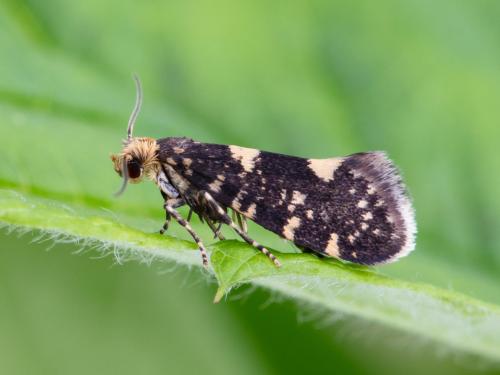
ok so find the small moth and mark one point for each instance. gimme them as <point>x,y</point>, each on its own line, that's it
<point>355,208</point>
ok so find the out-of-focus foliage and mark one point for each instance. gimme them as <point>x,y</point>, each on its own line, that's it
<point>316,78</point>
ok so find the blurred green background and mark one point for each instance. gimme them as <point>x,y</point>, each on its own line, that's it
<point>419,79</point>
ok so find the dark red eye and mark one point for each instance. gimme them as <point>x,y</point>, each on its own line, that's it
<point>134,169</point>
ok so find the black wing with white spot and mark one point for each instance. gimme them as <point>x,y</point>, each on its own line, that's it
<point>355,208</point>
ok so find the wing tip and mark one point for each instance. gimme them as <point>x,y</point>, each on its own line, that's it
<point>386,178</point>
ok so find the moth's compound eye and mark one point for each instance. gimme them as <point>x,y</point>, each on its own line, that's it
<point>134,169</point>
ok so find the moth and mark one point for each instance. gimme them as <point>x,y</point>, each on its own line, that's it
<point>355,208</point>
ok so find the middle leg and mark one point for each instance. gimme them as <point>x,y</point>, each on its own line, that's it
<point>227,220</point>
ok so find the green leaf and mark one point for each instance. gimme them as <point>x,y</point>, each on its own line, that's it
<point>63,222</point>
<point>450,318</point>
<point>314,79</point>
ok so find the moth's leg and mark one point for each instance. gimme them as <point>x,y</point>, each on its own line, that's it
<point>217,233</point>
<point>236,216</point>
<point>166,223</point>
<point>242,222</point>
<point>227,220</point>
<point>175,203</point>
<point>173,212</point>
<point>190,213</point>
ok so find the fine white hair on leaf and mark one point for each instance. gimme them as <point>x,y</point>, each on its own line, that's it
<point>242,294</point>
<point>121,251</point>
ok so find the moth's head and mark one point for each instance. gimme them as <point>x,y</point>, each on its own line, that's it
<point>139,156</point>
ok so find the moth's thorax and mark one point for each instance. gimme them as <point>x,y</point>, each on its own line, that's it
<point>175,145</point>
<point>174,150</point>
<point>175,155</point>
<point>145,151</point>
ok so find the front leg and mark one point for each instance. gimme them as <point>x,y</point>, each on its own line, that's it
<point>172,202</point>
<point>170,196</point>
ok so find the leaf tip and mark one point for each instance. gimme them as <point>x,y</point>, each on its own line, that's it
<point>218,296</point>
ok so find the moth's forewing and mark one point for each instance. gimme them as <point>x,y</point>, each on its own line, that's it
<point>354,208</point>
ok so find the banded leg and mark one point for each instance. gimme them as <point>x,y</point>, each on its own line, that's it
<point>237,217</point>
<point>166,224</point>
<point>175,203</point>
<point>217,233</point>
<point>227,220</point>
<point>242,222</point>
<point>173,212</point>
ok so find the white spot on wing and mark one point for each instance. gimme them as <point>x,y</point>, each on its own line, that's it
<point>309,214</point>
<point>283,194</point>
<point>289,228</point>
<point>298,197</point>
<point>362,203</point>
<point>246,156</point>
<point>215,186</point>
<point>250,212</point>
<point>367,216</point>
<point>325,168</point>
<point>236,203</point>
<point>332,248</point>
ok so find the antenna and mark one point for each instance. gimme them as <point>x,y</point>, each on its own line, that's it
<point>137,108</point>
<point>130,130</point>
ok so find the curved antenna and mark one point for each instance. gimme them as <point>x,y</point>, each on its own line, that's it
<point>125,178</point>
<point>137,108</point>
